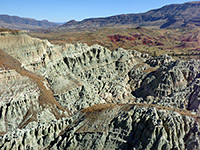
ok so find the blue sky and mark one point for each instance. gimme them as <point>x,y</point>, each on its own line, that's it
<point>65,10</point>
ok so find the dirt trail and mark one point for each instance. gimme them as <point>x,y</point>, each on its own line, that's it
<point>46,98</point>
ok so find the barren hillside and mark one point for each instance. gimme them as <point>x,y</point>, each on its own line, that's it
<point>75,96</point>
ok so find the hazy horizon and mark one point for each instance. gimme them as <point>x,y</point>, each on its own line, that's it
<point>63,11</point>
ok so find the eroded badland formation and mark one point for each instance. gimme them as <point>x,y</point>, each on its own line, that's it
<point>88,97</point>
<point>75,96</point>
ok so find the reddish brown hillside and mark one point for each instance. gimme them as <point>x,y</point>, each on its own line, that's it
<point>179,43</point>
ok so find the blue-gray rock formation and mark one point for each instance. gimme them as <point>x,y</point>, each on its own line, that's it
<point>81,97</point>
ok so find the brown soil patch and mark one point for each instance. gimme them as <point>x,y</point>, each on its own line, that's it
<point>98,107</point>
<point>4,30</point>
<point>150,69</point>
<point>101,107</point>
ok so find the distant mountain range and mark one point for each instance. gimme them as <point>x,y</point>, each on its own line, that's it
<point>170,16</point>
<point>15,22</point>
